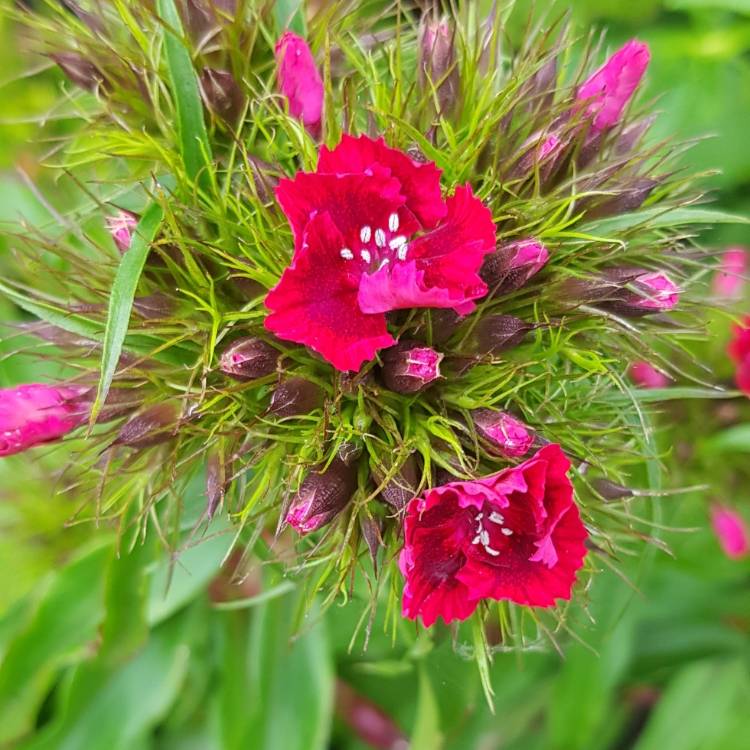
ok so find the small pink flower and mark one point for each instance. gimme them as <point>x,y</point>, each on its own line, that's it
<point>739,351</point>
<point>300,80</point>
<point>728,280</point>
<point>656,292</point>
<point>35,413</point>
<point>514,535</point>
<point>121,226</point>
<point>731,531</point>
<point>610,88</point>
<point>373,234</point>
<point>646,375</point>
<point>508,436</point>
<point>409,368</point>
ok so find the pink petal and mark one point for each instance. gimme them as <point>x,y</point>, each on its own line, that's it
<point>315,302</point>
<point>731,532</point>
<point>646,375</point>
<point>728,280</point>
<point>420,183</point>
<point>299,80</point>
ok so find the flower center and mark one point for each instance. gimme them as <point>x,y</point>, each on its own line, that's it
<point>482,533</point>
<point>377,246</point>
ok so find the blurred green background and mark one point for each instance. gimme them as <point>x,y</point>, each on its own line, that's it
<point>135,652</point>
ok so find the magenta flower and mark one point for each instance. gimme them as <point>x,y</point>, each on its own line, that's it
<point>739,351</point>
<point>507,435</point>
<point>35,413</point>
<point>731,531</point>
<point>646,375</point>
<point>514,535</point>
<point>373,234</point>
<point>300,81</point>
<point>728,280</point>
<point>656,292</point>
<point>609,89</point>
<point>121,226</point>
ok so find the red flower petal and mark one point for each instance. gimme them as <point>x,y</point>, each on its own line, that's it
<point>420,183</point>
<point>315,302</point>
<point>440,268</point>
<point>353,201</point>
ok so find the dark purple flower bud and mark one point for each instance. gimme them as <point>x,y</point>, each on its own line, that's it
<point>410,367</point>
<point>507,435</point>
<point>632,134</point>
<point>628,199</point>
<point>95,23</point>
<point>648,293</point>
<point>216,482</point>
<point>371,533</point>
<point>296,396</point>
<point>155,425</point>
<point>610,490</point>
<point>203,18</point>
<point>121,226</point>
<point>373,726</point>
<point>513,264</point>
<point>222,94</point>
<point>154,306</point>
<point>249,358</point>
<point>540,150</point>
<point>497,333</point>
<point>79,70</point>
<point>401,488</point>
<point>437,61</point>
<point>323,494</point>
<point>444,323</point>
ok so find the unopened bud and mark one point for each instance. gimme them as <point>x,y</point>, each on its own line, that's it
<point>372,535</point>
<point>216,481</point>
<point>203,17</point>
<point>94,23</point>
<point>155,425</point>
<point>513,264</point>
<point>647,293</point>
<point>497,333</point>
<point>437,61</point>
<point>249,358</point>
<point>79,70</point>
<point>222,94</point>
<point>154,306</point>
<point>296,396</point>
<point>632,134</point>
<point>323,494</point>
<point>373,726</point>
<point>121,226</point>
<point>400,489</point>
<point>628,199</point>
<point>610,490</point>
<point>507,435</point>
<point>410,367</point>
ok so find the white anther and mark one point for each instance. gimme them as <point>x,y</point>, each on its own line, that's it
<point>346,253</point>
<point>479,517</point>
<point>401,252</point>
<point>397,242</point>
<point>384,263</point>
<point>365,255</point>
<point>507,532</point>
<point>496,517</point>
<point>476,539</point>
<point>491,551</point>
<point>365,234</point>
<point>380,238</point>
<point>484,537</point>
<point>393,222</point>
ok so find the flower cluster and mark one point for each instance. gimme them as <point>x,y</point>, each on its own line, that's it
<point>395,322</point>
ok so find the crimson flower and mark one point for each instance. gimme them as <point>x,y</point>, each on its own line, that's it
<point>373,234</point>
<point>609,89</point>
<point>35,413</point>
<point>300,81</point>
<point>739,351</point>
<point>513,535</point>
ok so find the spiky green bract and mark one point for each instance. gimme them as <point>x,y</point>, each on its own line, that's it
<point>224,242</point>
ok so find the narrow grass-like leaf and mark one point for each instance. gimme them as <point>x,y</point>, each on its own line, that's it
<point>661,218</point>
<point>283,588</point>
<point>191,126</point>
<point>121,300</point>
<point>288,15</point>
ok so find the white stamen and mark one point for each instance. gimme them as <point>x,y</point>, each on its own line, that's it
<point>346,253</point>
<point>491,551</point>
<point>479,516</point>
<point>476,539</point>
<point>496,517</point>
<point>401,252</point>
<point>397,242</point>
<point>380,238</point>
<point>484,536</point>
<point>365,255</point>
<point>393,222</point>
<point>384,263</point>
<point>507,532</point>
<point>365,234</point>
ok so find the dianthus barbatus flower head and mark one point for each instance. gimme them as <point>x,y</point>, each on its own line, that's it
<point>513,535</point>
<point>373,234</point>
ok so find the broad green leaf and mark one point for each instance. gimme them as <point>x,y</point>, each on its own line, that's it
<point>426,734</point>
<point>662,218</point>
<point>290,684</point>
<point>253,601</point>
<point>654,395</point>
<point>63,627</point>
<point>289,14</point>
<point>121,300</point>
<point>191,127</point>
<point>735,439</point>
